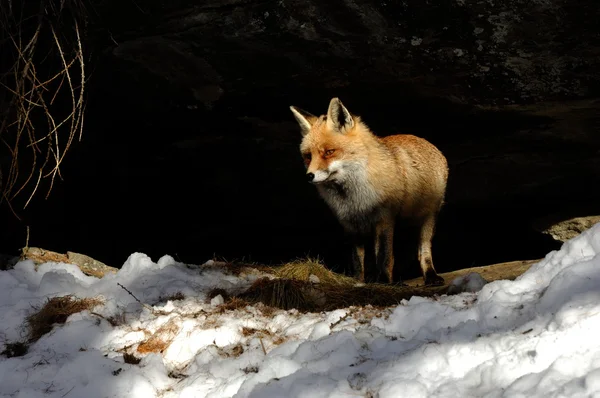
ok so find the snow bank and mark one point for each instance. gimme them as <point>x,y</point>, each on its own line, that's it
<point>532,337</point>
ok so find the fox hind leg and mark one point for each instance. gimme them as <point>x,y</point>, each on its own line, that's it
<point>430,276</point>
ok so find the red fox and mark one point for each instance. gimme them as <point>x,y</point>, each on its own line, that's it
<point>369,181</point>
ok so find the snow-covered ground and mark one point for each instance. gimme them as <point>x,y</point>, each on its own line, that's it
<point>538,336</point>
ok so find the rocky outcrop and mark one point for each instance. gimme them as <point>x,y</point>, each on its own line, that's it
<point>566,229</point>
<point>191,150</point>
<point>88,265</point>
<point>471,51</point>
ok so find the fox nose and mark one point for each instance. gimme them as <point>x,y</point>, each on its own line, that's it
<point>310,177</point>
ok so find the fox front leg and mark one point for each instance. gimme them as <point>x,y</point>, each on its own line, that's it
<point>364,258</point>
<point>358,262</point>
<point>384,250</point>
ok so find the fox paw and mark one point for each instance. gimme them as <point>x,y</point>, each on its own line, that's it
<point>433,279</point>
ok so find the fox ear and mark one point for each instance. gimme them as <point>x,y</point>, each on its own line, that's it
<point>338,117</point>
<point>305,119</point>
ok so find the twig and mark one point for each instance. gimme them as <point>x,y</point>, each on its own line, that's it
<point>67,393</point>
<point>262,345</point>
<point>135,298</point>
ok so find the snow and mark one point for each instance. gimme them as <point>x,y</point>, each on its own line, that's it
<point>471,282</point>
<point>536,336</point>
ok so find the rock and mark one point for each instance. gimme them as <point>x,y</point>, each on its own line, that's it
<point>567,229</point>
<point>504,52</point>
<point>40,256</point>
<point>508,271</point>
<point>88,265</point>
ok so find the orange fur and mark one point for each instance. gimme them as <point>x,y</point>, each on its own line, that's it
<point>368,181</point>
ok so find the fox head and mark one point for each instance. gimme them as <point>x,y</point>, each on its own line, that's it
<point>330,146</point>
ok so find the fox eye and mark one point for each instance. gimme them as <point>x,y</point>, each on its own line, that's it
<point>329,152</point>
<point>307,157</point>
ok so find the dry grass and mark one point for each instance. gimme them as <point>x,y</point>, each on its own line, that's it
<point>248,331</point>
<point>57,310</point>
<point>118,319</point>
<point>161,339</point>
<point>302,270</point>
<point>238,268</point>
<point>250,369</point>
<point>212,322</point>
<point>177,296</point>
<point>266,310</point>
<point>282,293</point>
<point>215,292</point>
<point>304,296</point>
<point>377,295</point>
<point>262,333</point>
<point>231,351</point>
<point>294,290</point>
<point>233,303</point>
<point>131,359</point>
<point>16,349</point>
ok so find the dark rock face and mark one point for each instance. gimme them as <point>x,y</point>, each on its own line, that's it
<point>474,51</point>
<point>191,148</point>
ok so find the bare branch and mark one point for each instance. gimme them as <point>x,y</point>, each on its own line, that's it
<point>37,82</point>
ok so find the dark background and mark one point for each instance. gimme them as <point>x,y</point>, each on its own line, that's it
<point>190,149</point>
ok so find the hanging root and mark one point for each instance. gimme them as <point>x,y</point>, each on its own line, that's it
<point>42,80</point>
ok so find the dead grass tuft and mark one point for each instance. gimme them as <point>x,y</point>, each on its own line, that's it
<point>305,296</point>
<point>294,288</point>
<point>266,310</point>
<point>153,344</point>
<point>176,375</point>
<point>278,340</point>
<point>117,320</point>
<point>131,359</point>
<point>16,349</point>
<point>177,296</point>
<point>248,331</point>
<point>238,268</point>
<point>301,270</point>
<point>215,292</point>
<point>233,303</point>
<point>250,369</point>
<point>212,322</point>
<point>283,293</point>
<point>233,351</point>
<point>57,310</point>
<point>160,340</point>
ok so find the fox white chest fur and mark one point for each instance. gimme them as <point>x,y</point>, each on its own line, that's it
<point>351,196</point>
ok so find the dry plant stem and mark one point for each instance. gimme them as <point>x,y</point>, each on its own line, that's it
<point>33,92</point>
<point>135,298</point>
<point>263,346</point>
